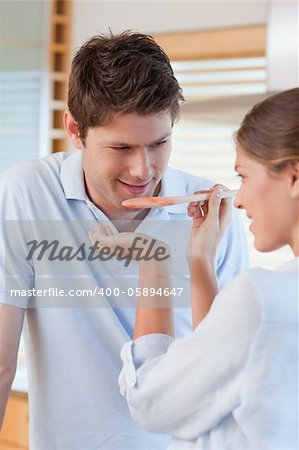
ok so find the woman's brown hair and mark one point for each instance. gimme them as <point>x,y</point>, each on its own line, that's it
<point>270,131</point>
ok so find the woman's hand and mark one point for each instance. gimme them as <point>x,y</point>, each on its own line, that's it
<point>135,246</point>
<point>106,237</point>
<point>210,220</point>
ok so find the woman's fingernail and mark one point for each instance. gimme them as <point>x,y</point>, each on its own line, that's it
<point>219,192</point>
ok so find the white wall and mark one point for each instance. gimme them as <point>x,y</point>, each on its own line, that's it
<point>282,45</point>
<point>155,16</point>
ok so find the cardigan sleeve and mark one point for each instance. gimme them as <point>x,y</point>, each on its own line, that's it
<point>185,387</point>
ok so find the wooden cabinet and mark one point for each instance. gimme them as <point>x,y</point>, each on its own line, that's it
<point>59,67</point>
<point>14,434</point>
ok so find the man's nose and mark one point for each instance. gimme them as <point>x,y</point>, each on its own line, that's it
<point>140,165</point>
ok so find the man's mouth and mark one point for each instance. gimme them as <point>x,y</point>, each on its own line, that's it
<point>135,188</point>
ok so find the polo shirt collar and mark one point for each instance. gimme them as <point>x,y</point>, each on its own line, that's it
<point>71,177</point>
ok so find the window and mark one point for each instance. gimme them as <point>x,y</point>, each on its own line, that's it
<point>19,116</point>
<point>21,59</point>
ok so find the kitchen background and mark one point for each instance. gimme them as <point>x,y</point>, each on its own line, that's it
<point>227,55</point>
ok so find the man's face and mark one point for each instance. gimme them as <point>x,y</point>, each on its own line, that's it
<point>126,158</point>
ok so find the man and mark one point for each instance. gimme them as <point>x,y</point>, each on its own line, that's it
<point>123,102</point>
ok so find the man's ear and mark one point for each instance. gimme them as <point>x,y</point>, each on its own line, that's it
<point>294,179</point>
<point>72,130</point>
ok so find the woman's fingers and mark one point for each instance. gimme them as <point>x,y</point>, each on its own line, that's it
<point>108,230</point>
<point>225,208</point>
<point>105,236</point>
<point>101,233</point>
<point>94,237</point>
<point>214,203</point>
<point>91,237</point>
<point>214,208</point>
<point>196,211</point>
<point>104,229</point>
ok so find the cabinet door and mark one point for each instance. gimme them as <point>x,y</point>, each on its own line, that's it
<point>15,425</point>
<point>5,446</point>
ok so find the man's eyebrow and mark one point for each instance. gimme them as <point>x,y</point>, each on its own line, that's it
<point>165,136</point>
<point>118,144</point>
<point>113,144</point>
<point>126,144</point>
<point>160,139</point>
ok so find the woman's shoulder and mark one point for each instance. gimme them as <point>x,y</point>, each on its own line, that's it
<point>288,268</point>
<point>257,278</point>
<point>274,292</point>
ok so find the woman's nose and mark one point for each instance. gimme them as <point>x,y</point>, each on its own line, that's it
<point>237,201</point>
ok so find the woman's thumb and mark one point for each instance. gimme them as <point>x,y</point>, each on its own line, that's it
<point>214,203</point>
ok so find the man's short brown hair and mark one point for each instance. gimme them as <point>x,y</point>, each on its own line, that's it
<point>121,74</point>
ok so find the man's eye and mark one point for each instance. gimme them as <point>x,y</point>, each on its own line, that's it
<point>120,148</point>
<point>158,144</point>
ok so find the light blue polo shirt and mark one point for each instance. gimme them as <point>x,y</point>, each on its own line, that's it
<point>73,350</point>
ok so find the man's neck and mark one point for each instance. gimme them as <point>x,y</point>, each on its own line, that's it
<point>126,225</point>
<point>126,220</point>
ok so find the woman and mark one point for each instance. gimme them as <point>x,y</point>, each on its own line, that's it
<point>233,383</point>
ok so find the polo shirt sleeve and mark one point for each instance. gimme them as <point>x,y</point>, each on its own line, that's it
<point>184,387</point>
<point>16,272</point>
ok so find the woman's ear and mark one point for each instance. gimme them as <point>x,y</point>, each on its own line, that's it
<point>72,130</point>
<point>294,179</point>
